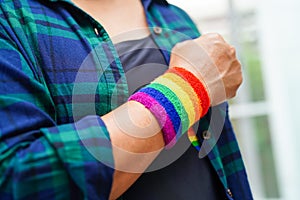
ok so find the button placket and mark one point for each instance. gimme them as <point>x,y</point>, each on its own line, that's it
<point>229,193</point>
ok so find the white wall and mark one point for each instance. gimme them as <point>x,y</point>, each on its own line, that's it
<point>280,48</point>
<point>279,38</point>
<point>207,8</point>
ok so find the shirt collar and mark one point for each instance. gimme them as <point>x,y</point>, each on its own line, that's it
<point>147,3</point>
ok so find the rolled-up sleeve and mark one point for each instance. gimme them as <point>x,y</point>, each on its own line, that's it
<point>40,159</point>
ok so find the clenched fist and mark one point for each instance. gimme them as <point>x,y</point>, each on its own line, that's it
<point>213,61</point>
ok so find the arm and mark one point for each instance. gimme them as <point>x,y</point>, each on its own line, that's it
<point>127,145</point>
<point>213,61</point>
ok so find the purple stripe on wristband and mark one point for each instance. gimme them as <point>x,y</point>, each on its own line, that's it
<point>160,114</point>
<point>168,106</point>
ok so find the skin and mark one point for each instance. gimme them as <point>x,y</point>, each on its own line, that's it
<point>117,17</point>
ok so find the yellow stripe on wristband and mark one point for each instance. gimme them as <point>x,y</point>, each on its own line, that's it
<point>181,94</point>
<point>193,138</point>
<point>185,86</point>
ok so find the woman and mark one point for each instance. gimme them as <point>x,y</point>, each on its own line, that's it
<point>53,53</point>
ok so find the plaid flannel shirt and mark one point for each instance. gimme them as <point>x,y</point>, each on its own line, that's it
<point>45,126</point>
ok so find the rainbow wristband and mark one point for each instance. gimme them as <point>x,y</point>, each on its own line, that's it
<point>177,99</point>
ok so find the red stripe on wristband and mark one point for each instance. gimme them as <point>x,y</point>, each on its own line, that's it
<point>197,85</point>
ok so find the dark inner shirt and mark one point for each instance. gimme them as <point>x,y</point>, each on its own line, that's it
<point>188,177</point>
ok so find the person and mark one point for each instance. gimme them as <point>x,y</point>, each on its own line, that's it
<point>67,129</point>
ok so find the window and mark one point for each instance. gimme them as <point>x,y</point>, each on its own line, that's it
<point>237,22</point>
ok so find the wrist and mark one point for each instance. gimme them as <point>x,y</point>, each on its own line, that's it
<point>177,99</point>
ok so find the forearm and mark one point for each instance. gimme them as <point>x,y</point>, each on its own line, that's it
<point>135,127</point>
<point>133,149</point>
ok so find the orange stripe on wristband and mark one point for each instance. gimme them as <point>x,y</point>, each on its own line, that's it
<point>197,85</point>
<point>185,86</point>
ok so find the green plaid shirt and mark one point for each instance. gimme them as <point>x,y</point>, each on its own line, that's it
<point>59,72</point>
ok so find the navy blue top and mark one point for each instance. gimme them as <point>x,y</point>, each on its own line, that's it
<point>177,173</point>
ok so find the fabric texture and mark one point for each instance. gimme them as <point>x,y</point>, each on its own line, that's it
<point>59,72</point>
<point>198,86</point>
<point>165,99</point>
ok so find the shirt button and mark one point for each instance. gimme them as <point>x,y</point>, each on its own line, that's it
<point>206,135</point>
<point>96,31</point>
<point>229,192</point>
<point>157,30</point>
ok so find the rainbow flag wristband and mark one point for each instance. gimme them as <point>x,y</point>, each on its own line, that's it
<point>177,99</point>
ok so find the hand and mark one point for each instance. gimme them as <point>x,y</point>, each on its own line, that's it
<point>213,61</point>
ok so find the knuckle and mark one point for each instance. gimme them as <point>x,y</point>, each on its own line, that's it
<point>231,47</point>
<point>230,94</point>
<point>216,35</point>
<point>232,50</point>
<point>212,36</point>
<point>219,37</point>
<point>234,94</point>
<point>237,64</point>
<point>241,79</point>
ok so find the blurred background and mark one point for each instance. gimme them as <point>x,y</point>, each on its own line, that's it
<point>266,113</point>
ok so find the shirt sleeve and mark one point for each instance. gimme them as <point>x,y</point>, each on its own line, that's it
<point>38,157</point>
